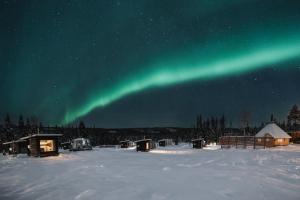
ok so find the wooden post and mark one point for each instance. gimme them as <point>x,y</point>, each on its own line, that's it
<point>244,142</point>
<point>254,142</point>
<point>228,138</point>
<point>236,142</point>
<point>264,142</point>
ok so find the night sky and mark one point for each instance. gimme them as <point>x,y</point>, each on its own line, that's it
<point>141,63</point>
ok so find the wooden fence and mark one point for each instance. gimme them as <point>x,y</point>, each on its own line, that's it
<point>246,142</point>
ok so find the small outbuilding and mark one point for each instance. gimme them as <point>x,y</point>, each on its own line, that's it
<point>81,144</point>
<point>41,145</point>
<point>198,143</point>
<point>16,147</point>
<point>126,144</point>
<point>274,135</point>
<point>145,145</point>
<point>165,142</point>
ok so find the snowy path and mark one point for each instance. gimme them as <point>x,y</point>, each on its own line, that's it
<point>180,173</point>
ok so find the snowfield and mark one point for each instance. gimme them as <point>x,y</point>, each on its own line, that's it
<point>177,172</point>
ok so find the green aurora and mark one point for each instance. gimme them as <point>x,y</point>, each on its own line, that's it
<point>184,70</point>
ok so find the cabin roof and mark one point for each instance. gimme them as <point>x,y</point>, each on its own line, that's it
<point>274,130</point>
<point>198,139</point>
<point>143,140</point>
<point>164,140</point>
<point>125,141</point>
<point>14,141</point>
<point>78,139</point>
<point>40,135</point>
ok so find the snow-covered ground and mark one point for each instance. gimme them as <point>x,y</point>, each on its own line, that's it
<point>166,173</point>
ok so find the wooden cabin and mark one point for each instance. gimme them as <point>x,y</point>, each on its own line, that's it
<point>274,135</point>
<point>126,144</point>
<point>40,145</point>
<point>16,147</point>
<point>145,145</point>
<point>198,143</point>
<point>165,142</point>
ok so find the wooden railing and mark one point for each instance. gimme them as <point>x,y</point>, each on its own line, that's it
<point>246,142</point>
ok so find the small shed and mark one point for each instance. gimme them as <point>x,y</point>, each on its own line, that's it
<point>165,142</point>
<point>145,145</point>
<point>41,145</point>
<point>15,147</point>
<point>126,144</point>
<point>198,143</point>
<point>274,135</point>
<point>81,144</point>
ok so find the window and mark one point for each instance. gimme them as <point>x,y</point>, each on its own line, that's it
<point>258,140</point>
<point>280,140</point>
<point>46,145</point>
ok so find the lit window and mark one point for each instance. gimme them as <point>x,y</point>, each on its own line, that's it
<point>259,140</point>
<point>280,140</point>
<point>46,145</point>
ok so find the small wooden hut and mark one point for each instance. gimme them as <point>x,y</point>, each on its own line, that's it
<point>165,142</point>
<point>198,143</point>
<point>40,145</point>
<point>126,144</point>
<point>145,145</point>
<point>274,135</point>
<point>15,147</point>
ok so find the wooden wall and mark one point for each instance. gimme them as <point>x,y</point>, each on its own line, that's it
<point>282,142</point>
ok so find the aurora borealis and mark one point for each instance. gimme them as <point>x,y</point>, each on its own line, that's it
<point>164,77</point>
<point>141,63</point>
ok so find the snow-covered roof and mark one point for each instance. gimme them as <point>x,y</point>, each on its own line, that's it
<point>164,140</point>
<point>40,135</point>
<point>80,139</point>
<point>143,140</point>
<point>198,139</point>
<point>125,141</point>
<point>274,130</point>
<point>14,141</point>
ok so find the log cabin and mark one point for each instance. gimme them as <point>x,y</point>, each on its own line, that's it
<point>198,143</point>
<point>41,145</point>
<point>145,145</point>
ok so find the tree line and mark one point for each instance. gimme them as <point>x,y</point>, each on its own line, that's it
<point>210,129</point>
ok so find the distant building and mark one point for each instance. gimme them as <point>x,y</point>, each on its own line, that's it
<point>198,143</point>
<point>145,145</point>
<point>126,144</point>
<point>274,135</point>
<point>40,145</point>
<point>16,147</point>
<point>165,142</point>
